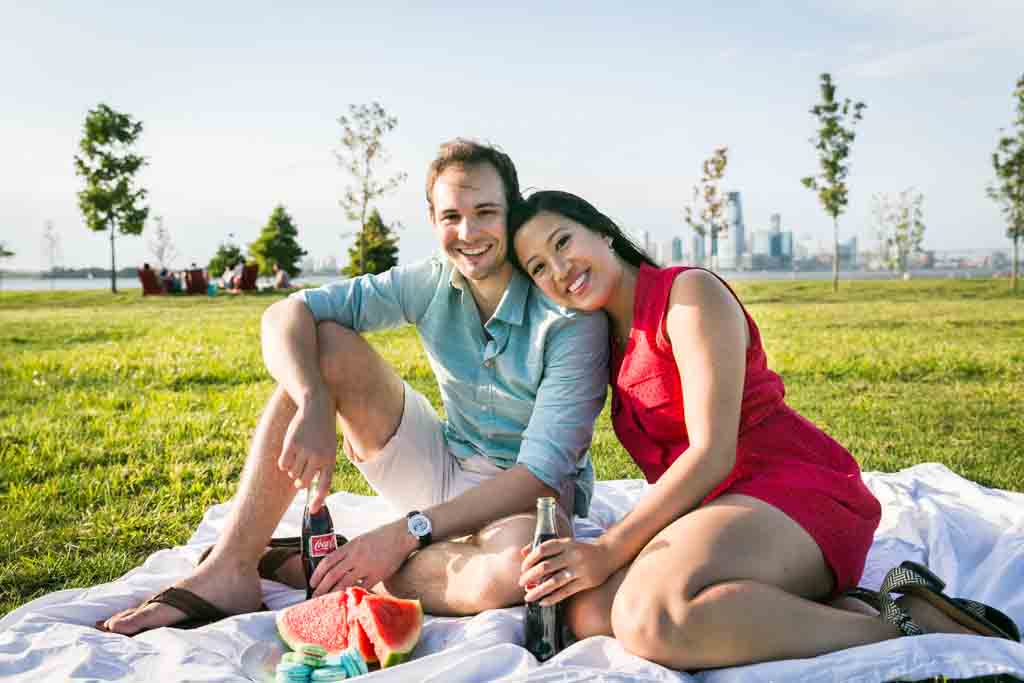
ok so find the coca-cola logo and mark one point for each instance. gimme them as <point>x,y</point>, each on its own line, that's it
<point>322,545</point>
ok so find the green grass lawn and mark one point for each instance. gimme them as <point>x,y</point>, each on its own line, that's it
<point>123,418</point>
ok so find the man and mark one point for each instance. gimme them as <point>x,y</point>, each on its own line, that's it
<point>522,382</point>
<point>281,278</point>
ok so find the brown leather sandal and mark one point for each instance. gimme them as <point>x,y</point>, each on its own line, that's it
<point>198,611</point>
<point>279,551</point>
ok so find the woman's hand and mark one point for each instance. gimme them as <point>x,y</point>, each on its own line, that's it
<point>560,567</point>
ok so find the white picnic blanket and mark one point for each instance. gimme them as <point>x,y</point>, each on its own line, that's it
<point>971,536</point>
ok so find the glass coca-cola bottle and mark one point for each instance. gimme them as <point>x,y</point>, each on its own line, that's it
<point>543,625</point>
<point>318,540</point>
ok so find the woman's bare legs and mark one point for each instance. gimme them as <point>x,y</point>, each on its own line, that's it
<point>734,582</point>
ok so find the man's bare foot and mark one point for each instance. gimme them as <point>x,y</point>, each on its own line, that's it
<point>234,592</point>
<point>930,618</point>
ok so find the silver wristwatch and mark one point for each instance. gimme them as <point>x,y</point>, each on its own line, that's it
<point>420,527</point>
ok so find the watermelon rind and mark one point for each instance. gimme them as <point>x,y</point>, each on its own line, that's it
<point>381,616</point>
<point>320,621</point>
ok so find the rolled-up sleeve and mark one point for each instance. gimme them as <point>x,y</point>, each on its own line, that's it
<point>571,396</point>
<point>374,302</point>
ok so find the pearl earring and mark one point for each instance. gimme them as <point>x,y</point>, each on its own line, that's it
<point>608,239</point>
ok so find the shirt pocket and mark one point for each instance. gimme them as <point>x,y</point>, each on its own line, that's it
<point>658,405</point>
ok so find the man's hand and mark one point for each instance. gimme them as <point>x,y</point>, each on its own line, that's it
<point>365,560</point>
<point>310,447</point>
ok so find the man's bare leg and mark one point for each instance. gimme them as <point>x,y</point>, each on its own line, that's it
<point>451,577</point>
<point>228,577</point>
<point>369,398</point>
<point>457,577</point>
<point>467,576</point>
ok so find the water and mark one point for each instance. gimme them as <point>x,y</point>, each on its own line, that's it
<point>33,284</point>
<point>11,283</point>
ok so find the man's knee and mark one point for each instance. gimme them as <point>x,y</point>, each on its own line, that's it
<point>512,531</point>
<point>499,584</point>
<point>336,345</point>
<point>588,613</point>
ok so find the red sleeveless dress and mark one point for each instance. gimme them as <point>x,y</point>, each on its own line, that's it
<point>781,457</point>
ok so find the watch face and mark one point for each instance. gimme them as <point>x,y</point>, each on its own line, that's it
<point>419,525</point>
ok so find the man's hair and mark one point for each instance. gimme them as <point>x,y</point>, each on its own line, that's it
<point>465,152</point>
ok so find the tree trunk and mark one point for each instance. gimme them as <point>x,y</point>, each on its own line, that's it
<point>835,254</point>
<point>113,265</point>
<point>1016,262</point>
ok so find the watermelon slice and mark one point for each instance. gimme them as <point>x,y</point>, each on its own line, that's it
<point>357,637</point>
<point>392,625</point>
<point>320,621</point>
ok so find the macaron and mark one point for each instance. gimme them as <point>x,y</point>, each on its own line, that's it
<point>312,655</point>
<point>292,672</point>
<point>328,673</point>
<point>357,659</point>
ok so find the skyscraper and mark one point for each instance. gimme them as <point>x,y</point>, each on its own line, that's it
<point>734,217</point>
<point>677,250</point>
<point>697,250</point>
<point>731,243</point>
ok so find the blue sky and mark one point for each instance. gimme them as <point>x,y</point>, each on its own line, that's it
<point>240,104</point>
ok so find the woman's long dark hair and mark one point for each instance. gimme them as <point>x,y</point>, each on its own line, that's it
<point>579,210</point>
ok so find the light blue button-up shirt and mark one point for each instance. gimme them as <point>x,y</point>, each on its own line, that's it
<point>527,392</point>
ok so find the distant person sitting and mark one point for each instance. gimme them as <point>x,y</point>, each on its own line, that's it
<point>168,281</point>
<point>281,278</point>
<point>232,276</point>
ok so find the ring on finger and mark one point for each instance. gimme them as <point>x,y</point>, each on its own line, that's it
<point>567,574</point>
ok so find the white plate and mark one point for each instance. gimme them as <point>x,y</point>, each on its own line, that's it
<point>259,661</point>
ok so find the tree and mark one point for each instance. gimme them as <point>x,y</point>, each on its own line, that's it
<point>227,254</point>
<point>707,202</point>
<point>276,244</point>
<point>162,246</point>
<point>375,249</point>
<point>1008,188</point>
<point>110,200</point>
<point>833,141</point>
<point>4,253</point>
<point>900,226</point>
<point>361,154</point>
<point>51,249</point>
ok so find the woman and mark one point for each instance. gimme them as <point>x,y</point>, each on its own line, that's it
<point>755,517</point>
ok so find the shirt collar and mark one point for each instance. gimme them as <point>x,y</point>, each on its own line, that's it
<point>512,307</point>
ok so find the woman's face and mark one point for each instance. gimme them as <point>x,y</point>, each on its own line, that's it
<point>572,265</point>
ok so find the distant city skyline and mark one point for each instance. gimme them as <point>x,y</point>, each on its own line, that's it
<point>240,110</point>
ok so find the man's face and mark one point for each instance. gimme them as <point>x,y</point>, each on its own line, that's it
<point>469,217</point>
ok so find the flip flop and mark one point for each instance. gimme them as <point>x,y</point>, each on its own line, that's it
<point>911,578</point>
<point>279,551</point>
<point>198,611</point>
<point>991,614</point>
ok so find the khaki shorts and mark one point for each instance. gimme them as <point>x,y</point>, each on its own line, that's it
<point>415,470</point>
